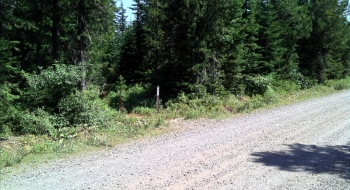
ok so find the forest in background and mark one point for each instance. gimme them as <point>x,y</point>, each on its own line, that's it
<point>59,57</point>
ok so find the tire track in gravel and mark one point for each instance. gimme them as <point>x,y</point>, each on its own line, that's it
<point>299,146</point>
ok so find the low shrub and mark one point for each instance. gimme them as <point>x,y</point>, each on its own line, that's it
<point>145,111</point>
<point>10,158</point>
<point>86,109</point>
<point>285,86</point>
<point>339,84</point>
<point>270,96</point>
<point>35,122</point>
<point>301,80</point>
<point>132,97</point>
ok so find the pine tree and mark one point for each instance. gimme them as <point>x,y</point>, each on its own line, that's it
<point>295,24</point>
<point>33,33</point>
<point>133,52</point>
<point>85,29</point>
<point>242,53</point>
<point>270,36</point>
<point>173,48</point>
<point>121,18</point>
<point>322,52</point>
<point>9,72</point>
<point>251,50</point>
<point>114,48</point>
<point>55,34</point>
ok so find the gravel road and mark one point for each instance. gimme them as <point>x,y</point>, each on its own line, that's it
<point>299,146</point>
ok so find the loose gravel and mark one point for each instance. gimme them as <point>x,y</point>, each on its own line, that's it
<point>300,146</point>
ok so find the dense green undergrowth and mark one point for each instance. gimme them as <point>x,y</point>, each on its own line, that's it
<point>87,122</point>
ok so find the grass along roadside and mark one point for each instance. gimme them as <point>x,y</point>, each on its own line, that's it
<point>38,149</point>
<point>144,122</point>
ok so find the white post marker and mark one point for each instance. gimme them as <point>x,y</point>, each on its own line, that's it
<point>157,101</point>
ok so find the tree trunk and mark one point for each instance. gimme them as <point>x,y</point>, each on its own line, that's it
<point>55,29</point>
<point>82,43</point>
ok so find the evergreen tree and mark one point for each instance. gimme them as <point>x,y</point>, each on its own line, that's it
<point>282,25</point>
<point>103,38</point>
<point>33,33</point>
<point>9,91</point>
<point>9,70</point>
<point>270,36</point>
<point>322,53</point>
<point>121,18</point>
<point>223,40</point>
<point>295,24</point>
<point>55,34</point>
<point>114,47</point>
<point>242,52</point>
<point>251,50</point>
<point>133,52</point>
<point>171,57</point>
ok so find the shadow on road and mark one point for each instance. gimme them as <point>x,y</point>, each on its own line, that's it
<point>314,159</point>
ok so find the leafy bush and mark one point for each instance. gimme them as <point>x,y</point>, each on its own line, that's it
<point>51,85</point>
<point>35,122</point>
<point>86,109</point>
<point>64,133</point>
<point>303,81</point>
<point>270,96</point>
<point>56,104</point>
<point>132,97</point>
<point>257,85</point>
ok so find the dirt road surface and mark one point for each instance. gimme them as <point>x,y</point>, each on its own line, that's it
<point>299,146</point>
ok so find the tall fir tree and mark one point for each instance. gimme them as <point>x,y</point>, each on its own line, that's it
<point>296,24</point>
<point>321,53</point>
<point>9,70</point>
<point>270,36</point>
<point>133,53</point>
